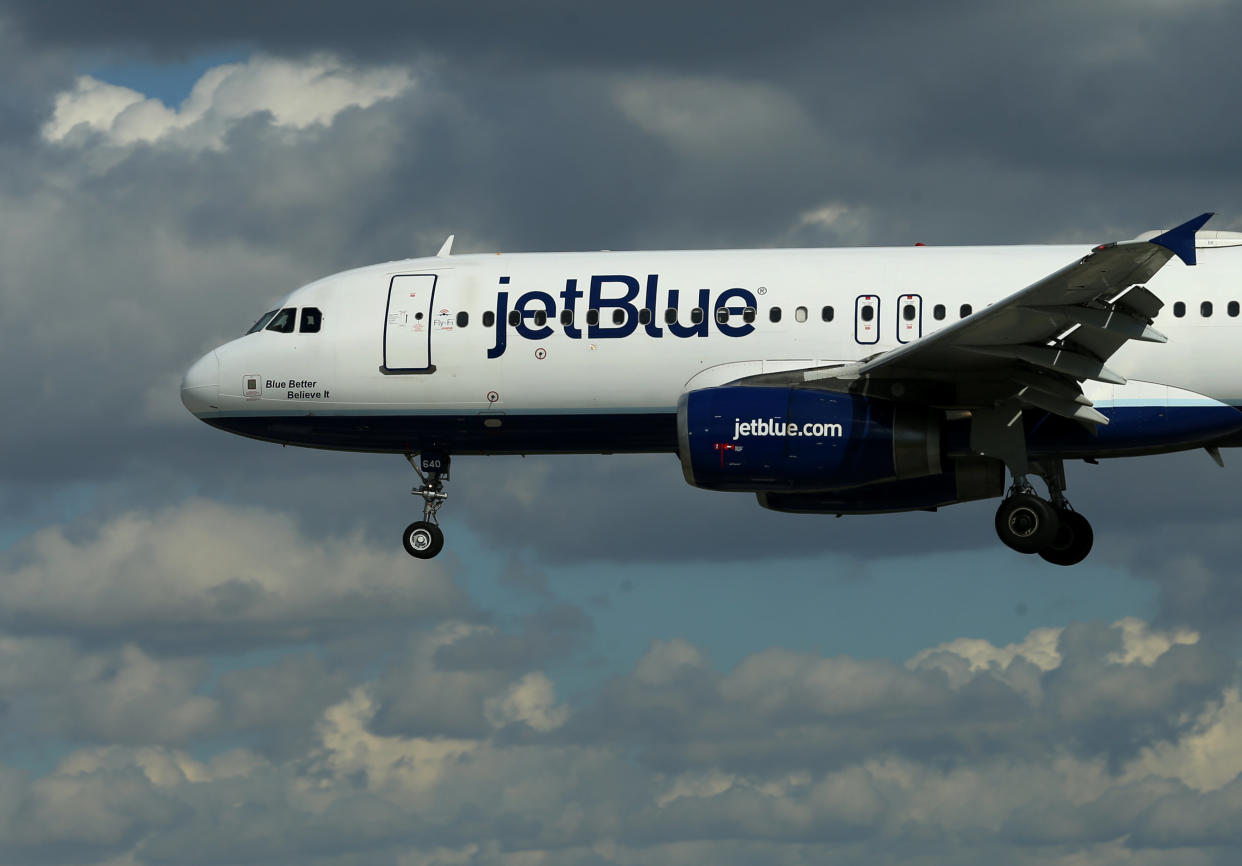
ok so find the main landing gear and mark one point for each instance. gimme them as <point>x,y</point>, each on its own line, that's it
<point>423,539</point>
<point>1029,524</point>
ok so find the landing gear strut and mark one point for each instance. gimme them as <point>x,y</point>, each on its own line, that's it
<point>423,539</point>
<point>1050,527</point>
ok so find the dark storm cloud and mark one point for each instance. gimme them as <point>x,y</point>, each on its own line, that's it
<point>541,32</point>
<point>30,77</point>
<point>1064,118</point>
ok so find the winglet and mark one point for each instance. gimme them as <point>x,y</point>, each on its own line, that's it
<point>1181,240</point>
<point>447,249</point>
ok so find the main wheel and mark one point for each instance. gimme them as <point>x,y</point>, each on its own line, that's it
<point>1026,523</point>
<point>422,540</point>
<point>1072,542</point>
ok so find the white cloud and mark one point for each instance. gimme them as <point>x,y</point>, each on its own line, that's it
<point>1140,644</point>
<point>485,797</point>
<point>531,701</point>
<point>1207,758</point>
<point>201,570</point>
<point>394,764</point>
<point>298,94</point>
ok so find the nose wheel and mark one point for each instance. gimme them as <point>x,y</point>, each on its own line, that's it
<point>423,539</point>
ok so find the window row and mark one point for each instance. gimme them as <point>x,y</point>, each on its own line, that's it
<point>309,322</point>
<point>1205,309</point>
<point>723,314</point>
<point>283,321</point>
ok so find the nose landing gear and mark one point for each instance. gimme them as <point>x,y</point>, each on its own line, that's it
<point>1028,524</point>
<point>423,539</point>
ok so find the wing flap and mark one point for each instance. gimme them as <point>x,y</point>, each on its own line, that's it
<point>1063,361</point>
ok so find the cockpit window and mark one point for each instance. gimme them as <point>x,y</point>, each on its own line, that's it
<point>283,321</point>
<point>263,320</point>
<point>311,318</point>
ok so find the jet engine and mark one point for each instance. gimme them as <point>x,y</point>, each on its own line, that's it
<point>966,480</point>
<point>772,439</point>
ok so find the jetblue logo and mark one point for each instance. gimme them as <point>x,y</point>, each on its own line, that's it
<point>536,314</point>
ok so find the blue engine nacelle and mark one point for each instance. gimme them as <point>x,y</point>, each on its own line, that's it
<point>759,439</point>
<point>970,478</point>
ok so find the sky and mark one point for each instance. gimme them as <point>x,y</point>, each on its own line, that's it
<point>214,650</point>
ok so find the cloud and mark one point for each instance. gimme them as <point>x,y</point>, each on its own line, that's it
<point>122,695</point>
<point>1094,697</point>
<point>467,679</point>
<point>203,574</point>
<point>384,717</point>
<point>475,792</point>
<point>530,701</point>
<point>295,94</point>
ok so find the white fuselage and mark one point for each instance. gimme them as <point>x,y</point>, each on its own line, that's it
<point>835,306</point>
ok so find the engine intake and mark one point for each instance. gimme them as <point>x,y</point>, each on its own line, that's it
<point>758,439</point>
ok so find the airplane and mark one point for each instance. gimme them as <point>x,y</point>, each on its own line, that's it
<point>825,381</point>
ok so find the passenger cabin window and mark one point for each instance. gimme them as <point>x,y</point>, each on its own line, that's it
<point>1179,309</point>
<point>722,315</point>
<point>1233,309</point>
<point>748,315</point>
<point>592,317</point>
<point>311,319</point>
<point>618,316</point>
<point>283,321</point>
<point>696,315</point>
<point>541,318</point>
<point>908,312</point>
<point>868,313</point>
<point>463,319</point>
<point>262,323</point>
<point>774,314</point>
<point>1205,309</point>
<point>938,312</point>
<point>800,314</point>
<point>567,317</point>
<point>670,315</point>
<point>644,316</point>
<point>489,319</point>
<point>515,318</point>
<point>966,310</point>
<point>827,314</point>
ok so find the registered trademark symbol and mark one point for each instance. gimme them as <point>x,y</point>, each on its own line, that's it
<point>763,290</point>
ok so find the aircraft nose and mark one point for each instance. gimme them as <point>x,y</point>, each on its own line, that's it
<point>201,384</point>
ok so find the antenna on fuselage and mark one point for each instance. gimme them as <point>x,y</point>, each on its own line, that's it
<point>447,249</point>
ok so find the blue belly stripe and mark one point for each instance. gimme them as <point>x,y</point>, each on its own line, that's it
<point>1132,430</point>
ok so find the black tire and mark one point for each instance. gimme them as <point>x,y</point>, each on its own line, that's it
<point>1026,523</point>
<point>422,540</point>
<point>1072,542</point>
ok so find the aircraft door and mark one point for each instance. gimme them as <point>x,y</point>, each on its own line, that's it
<point>909,318</point>
<point>867,319</point>
<point>407,324</point>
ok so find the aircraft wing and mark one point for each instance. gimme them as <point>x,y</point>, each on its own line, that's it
<point>1035,346</point>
